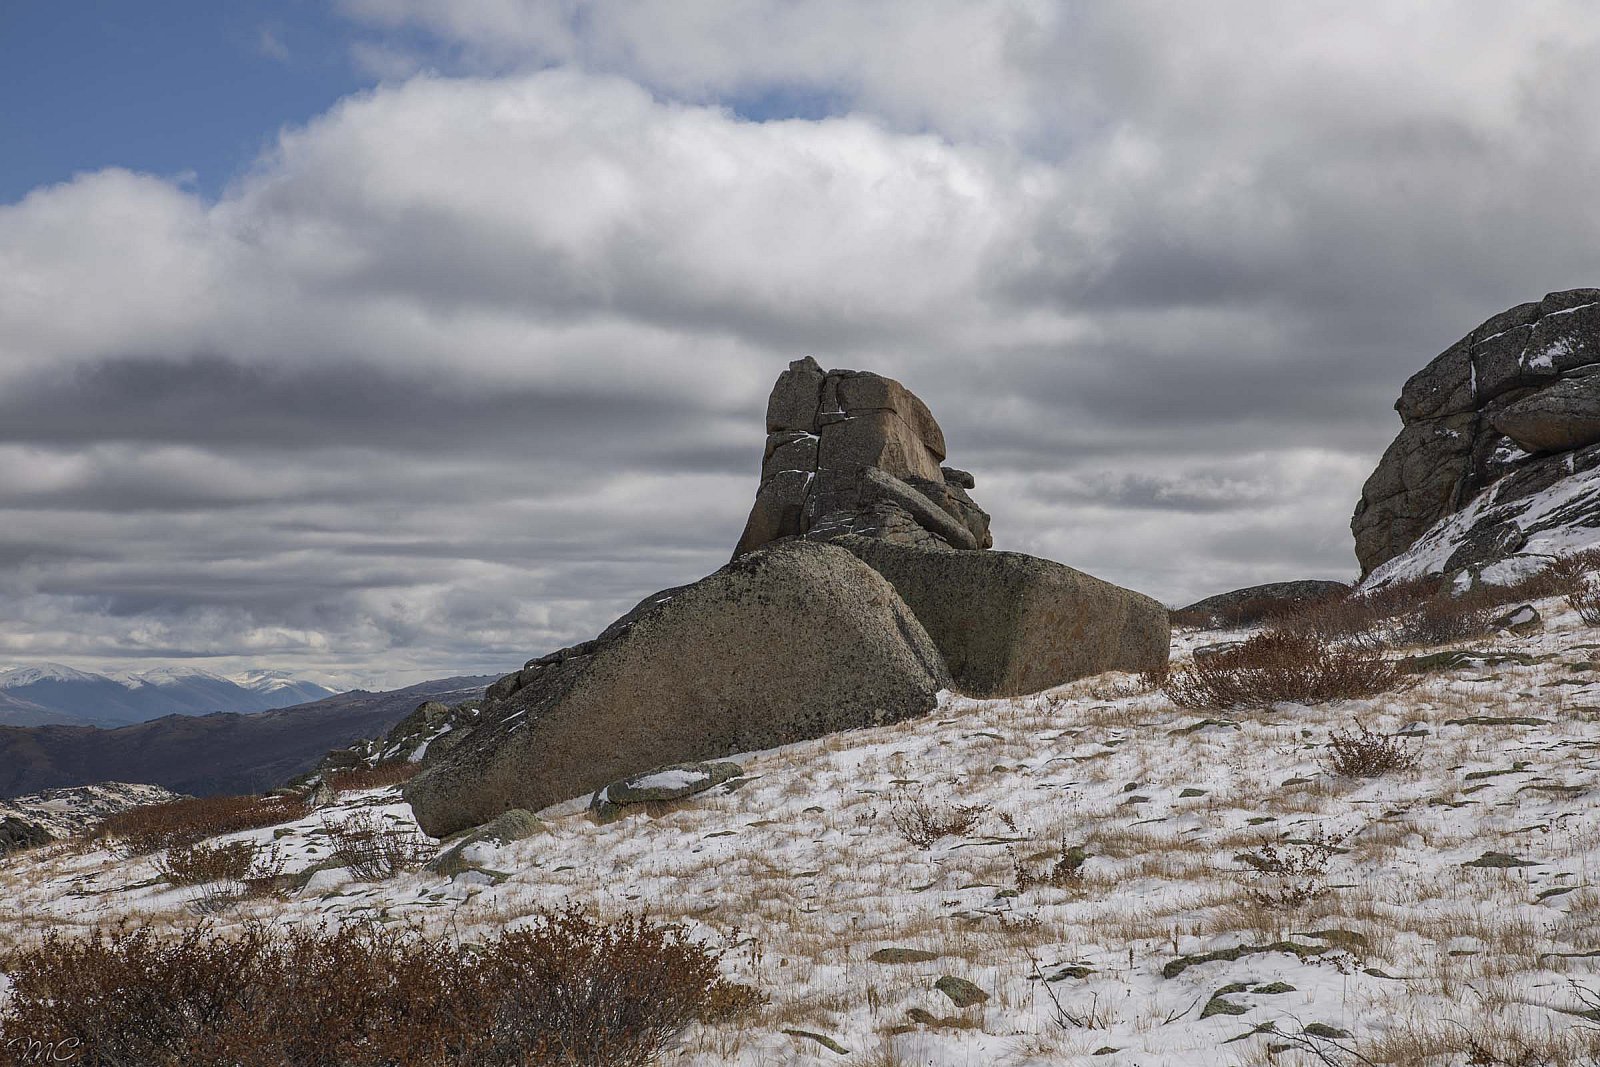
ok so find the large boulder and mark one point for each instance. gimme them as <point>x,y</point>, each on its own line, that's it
<point>792,641</point>
<point>1518,389</point>
<point>1008,623</point>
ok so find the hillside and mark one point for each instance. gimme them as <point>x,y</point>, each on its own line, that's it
<point>226,753</point>
<point>1446,904</point>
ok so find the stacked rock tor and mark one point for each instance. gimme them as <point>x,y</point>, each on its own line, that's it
<point>855,452</point>
<point>1513,406</point>
<point>859,591</point>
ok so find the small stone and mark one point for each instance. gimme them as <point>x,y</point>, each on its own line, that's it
<point>962,993</point>
<point>903,955</point>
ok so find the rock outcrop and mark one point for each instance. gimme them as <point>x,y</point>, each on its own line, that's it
<point>789,642</point>
<point>860,589</point>
<point>851,452</point>
<point>1513,406</point>
<point>1244,607</point>
<point>855,458</point>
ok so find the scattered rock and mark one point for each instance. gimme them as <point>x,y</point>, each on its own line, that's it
<point>1183,963</point>
<point>1499,861</point>
<point>962,993</point>
<point>508,826</point>
<point>658,786</point>
<point>1522,619</point>
<point>903,955</point>
<point>822,1039</point>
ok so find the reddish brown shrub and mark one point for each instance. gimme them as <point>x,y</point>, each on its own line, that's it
<point>373,851</point>
<point>566,990</point>
<point>384,774</point>
<point>1281,665</point>
<point>153,827</point>
<point>1363,754</point>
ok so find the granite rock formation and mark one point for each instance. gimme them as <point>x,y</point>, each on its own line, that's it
<point>859,591</point>
<point>851,452</point>
<point>1514,406</point>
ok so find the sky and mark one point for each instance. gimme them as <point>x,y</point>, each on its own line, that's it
<point>389,339</point>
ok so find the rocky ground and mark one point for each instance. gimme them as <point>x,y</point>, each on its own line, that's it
<point>1429,916</point>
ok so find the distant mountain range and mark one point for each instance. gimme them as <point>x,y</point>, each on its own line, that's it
<point>206,754</point>
<point>48,693</point>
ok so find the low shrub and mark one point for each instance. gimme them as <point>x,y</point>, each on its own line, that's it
<point>379,777</point>
<point>1282,665</point>
<point>372,851</point>
<point>1065,871</point>
<point>1363,754</point>
<point>153,827</point>
<point>235,861</point>
<point>1585,600</point>
<point>922,824</point>
<point>564,990</point>
<point>1290,874</point>
<point>1442,620</point>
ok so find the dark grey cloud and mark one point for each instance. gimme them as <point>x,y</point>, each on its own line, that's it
<point>469,364</point>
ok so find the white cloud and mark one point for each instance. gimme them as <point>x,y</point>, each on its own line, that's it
<point>469,363</point>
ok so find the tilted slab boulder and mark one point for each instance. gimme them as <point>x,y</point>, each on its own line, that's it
<point>793,641</point>
<point>1009,623</point>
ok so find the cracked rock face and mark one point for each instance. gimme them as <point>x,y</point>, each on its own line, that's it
<point>1517,396</point>
<point>852,452</point>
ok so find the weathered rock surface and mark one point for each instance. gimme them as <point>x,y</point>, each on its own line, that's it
<point>789,642</point>
<point>1515,401</point>
<point>855,452</point>
<point>1009,623</point>
<point>1243,607</point>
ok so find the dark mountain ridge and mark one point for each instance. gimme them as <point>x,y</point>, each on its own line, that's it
<point>207,754</point>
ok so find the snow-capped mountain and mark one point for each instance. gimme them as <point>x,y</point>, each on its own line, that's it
<point>43,693</point>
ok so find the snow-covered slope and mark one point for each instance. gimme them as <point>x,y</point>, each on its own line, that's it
<point>48,692</point>
<point>1457,897</point>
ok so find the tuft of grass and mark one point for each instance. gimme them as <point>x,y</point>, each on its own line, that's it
<point>235,861</point>
<point>922,824</point>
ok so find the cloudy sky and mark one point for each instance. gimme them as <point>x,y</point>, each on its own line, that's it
<point>396,338</point>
